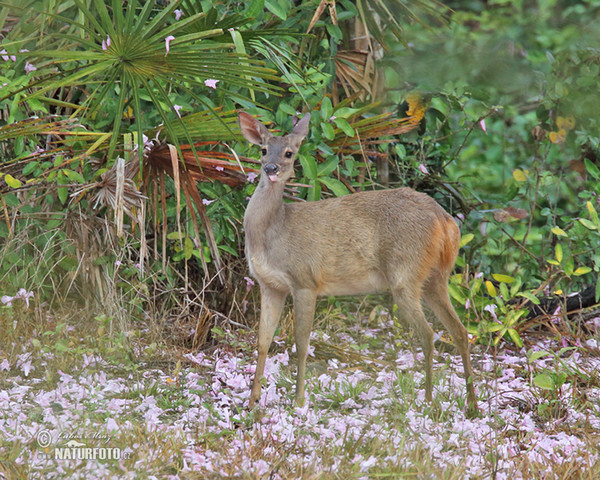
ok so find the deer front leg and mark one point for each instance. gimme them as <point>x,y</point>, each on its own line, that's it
<point>304,310</point>
<point>271,304</point>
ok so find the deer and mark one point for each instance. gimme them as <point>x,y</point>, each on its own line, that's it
<point>397,240</point>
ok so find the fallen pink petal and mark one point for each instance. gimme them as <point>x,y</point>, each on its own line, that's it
<point>168,41</point>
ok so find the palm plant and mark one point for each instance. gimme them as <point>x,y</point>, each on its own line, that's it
<point>117,65</point>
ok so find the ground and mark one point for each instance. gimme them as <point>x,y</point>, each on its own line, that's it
<point>81,403</point>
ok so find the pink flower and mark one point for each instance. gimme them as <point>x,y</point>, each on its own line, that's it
<point>29,67</point>
<point>211,83</point>
<point>22,293</point>
<point>6,57</point>
<point>6,300</point>
<point>177,108</point>
<point>206,202</point>
<point>106,43</point>
<point>249,283</point>
<point>219,169</point>
<point>482,125</point>
<point>251,177</point>
<point>423,169</point>
<point>168,42</point>
<point>492,309</point>
<point>178,14</point>
<point>5,365</point>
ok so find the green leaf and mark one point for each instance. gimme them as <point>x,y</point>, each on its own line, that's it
<point>598,289</point>
<point>537,355</point>
<point>326,109</point>
<point>515,337</point>
<point>328,165</point>
<point>559,232</point>
<point>532,298</point>
<point>334,185</point>
<point>490,288</point>
<point>314,193</point>
<point>11,199</point>
<point>466,238</point>
<point>30,167</point>
<point>559,252</point>
<point>255,8</point>
<point>502,278</point>
<point>175,236</point>
<point>328,131</point>
<point>582,271</point>
<point>73,175</point>
<point>344,126</point>
<point>309,166</point>
<point>188,248</point>
<point>592,169</point>
<point>12,181</point>
<point>276,9</point>
<point>504,290</point>
<point>587,224</point>
<point>593,213</point>
<point>544,381</point>
<point>63,194</point>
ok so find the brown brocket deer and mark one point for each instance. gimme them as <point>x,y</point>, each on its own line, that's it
<point>397,240</point>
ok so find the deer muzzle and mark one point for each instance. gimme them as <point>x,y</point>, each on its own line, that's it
<point>272,171</point>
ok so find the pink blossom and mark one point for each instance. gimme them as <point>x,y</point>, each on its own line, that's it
<point>6,56</point>
<point>22,294</point>
<point>219,168</point>
<point>5,365</point>
<point>29,67</point>
<point>249,283</point>
<point>168,41</point>
<point>251,177</point>
<point>492,309</point>
<point>177,108</point>
<point>111,425</point>
<point>482,125</point>
<point>423,169</point>
<point>206,202</point>
<point>106,43</point>
<point>178,14</point>
<point>211,83</point>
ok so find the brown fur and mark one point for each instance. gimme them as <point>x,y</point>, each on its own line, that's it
<point>393,240</point>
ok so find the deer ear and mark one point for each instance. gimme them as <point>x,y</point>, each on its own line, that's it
<point>253,131</point>
<point>301,128</point>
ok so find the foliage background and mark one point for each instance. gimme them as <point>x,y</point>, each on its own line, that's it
<point>509,143</point>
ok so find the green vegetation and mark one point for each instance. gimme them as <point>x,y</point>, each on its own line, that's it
<point>124,180</point>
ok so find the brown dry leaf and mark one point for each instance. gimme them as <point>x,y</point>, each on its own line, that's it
<point>507,213</point>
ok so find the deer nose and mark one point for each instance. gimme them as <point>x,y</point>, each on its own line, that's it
<point>271,169</point>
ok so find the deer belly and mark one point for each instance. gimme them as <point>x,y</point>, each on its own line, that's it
<point>370,282</point>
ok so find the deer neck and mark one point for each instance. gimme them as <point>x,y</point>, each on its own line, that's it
<point>264,212</point>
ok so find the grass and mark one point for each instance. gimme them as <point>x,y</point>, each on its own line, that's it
<point>177,413</point>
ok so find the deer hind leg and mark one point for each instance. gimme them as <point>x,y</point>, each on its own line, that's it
<point>271,304</point>
<point>409,307</point>
<point>436,297</point>
<point>304,311</point>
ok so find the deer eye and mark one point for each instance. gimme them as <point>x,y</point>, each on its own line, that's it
<point>289,154</point>
<point>264,151</point>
